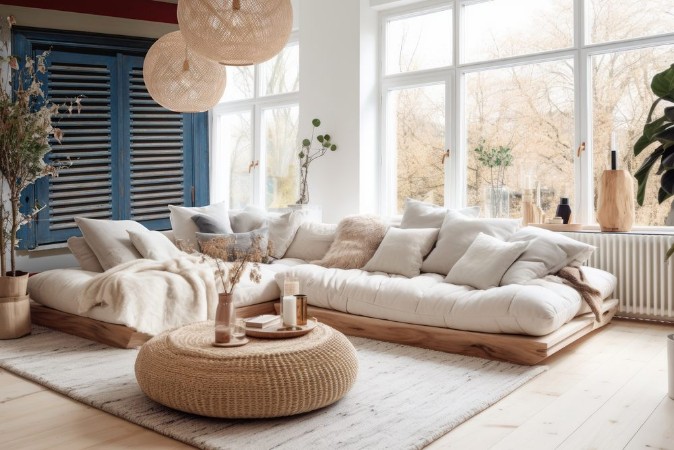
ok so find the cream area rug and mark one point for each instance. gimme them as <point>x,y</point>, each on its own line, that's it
<point>404,397</point>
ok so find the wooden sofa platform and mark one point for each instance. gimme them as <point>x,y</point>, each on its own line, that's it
<point>528,350</point>
<point>111,334</point>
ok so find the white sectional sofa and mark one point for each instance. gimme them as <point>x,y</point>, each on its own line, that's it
<point>522,322</point>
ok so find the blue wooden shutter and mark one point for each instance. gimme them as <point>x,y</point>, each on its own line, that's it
<point>84,187</point>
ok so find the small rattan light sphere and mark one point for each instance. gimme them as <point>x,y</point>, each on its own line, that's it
<point>236,32</point>
<point>180,79</point>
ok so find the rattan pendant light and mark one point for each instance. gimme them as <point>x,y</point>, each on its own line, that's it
<point>236,32</point>
<point>180,79</point>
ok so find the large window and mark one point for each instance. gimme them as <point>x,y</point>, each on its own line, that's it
<point>254,155</point>
<point>488,100</point>
<point>123,156</point>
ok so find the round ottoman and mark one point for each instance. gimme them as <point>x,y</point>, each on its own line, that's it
<point>264,378</point>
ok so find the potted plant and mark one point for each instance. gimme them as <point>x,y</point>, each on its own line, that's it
<point>308,154</point>
<point>25,128</point>
<point>497,160</point>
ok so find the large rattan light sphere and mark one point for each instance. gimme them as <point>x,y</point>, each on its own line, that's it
<point>180,79</point>
<point>236,32</point>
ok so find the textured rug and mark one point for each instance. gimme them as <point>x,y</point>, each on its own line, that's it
<point>404,398</point>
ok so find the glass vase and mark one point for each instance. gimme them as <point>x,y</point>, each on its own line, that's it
<point>497,202</point>
<point>225,319</point>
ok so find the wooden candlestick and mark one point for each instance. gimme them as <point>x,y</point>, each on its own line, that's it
<point>616,201</point>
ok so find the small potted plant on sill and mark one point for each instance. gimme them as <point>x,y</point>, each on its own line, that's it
<point>497,160</point>
<point>25,128</point>
<point>308,154</point>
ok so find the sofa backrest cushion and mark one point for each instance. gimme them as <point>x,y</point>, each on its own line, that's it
<point>248,219</point>
<point>547,253</point>
<point>419,214</point>
<point>109,240</point>
<point>402,251</point>
<point>457,234</point>
<point>312,241</point>
<point>485,262</point>
<point>85,257</point>
<point>356,240</point>
<point>184,228</point>
<point>154,245</point>
<point>282,230</point>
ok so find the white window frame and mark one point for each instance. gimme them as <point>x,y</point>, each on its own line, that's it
<point>257,104</point>
<point>454,77</point>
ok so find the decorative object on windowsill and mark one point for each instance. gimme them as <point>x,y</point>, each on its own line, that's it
<point>180,79</point>
<point>564,210</point>
<point>25,129</point>
<point>497,195</point>
<point>307,155</point>
<point>660,130</point>
<point>236,32</point>
<point>532,212</point>
<point>615,209</point>
<point>222,250</point>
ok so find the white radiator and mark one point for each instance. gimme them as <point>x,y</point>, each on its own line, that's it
<point>645,280</point>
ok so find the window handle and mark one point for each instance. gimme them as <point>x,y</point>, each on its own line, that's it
<point>446,154</point>
<point>252,165</point>
<point>581,149</point>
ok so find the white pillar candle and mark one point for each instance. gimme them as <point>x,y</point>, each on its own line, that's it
<point>289,311</point>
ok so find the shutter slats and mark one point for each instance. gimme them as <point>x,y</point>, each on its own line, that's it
<point>84,186</point>
<point>157,172</point>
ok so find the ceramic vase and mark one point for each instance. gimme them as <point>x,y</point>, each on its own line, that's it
<point>225,319</point>
<point>564,209</point>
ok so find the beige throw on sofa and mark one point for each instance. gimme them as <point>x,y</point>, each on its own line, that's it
<point>573,276</point>
<point>152,296</point>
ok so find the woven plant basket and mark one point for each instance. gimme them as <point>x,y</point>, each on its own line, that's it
<point>236,32</point>
<point>180,79</point>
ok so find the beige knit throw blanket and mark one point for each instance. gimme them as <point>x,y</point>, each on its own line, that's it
<point>573,276</point>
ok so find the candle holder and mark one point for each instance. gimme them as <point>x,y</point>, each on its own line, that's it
<point>301,305</point>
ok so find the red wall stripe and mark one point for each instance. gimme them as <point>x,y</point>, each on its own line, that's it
<point>129,9</point>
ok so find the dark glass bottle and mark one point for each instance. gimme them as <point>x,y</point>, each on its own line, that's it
<point>564,209</point>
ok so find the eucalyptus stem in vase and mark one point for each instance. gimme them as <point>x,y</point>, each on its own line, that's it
<point>308,154</point>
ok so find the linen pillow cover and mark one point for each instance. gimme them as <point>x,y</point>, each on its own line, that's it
<point>209,224</point>
<point>457,234</point>
<point>548,252</point>
<point>239,242</point>
<point>185,229</point>
<point>249,219</point>
<point>85,257</point>
<point>312,241</point>
<point>485,262</point>
<point>154,245</point>
<point>282,230</point>
<point>419,214</point>
<point>356,241</point>
<point>109,240</point>
<point>402,251</point>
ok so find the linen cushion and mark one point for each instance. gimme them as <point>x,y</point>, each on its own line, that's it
<point>154,245</point>
<point>547,253</point>
<point>282,229</point>
<point>185,229</point>
<point>485,262</point>
<point>312,241</point>
<point>109,240</point>
<point>85,257</point>
<point>457,234</point>
<point>427,215</point>
<point>249,219</point>
<point>356,241</point>
<point>402,251</point>
<point>209,224</point>
<point>239,242</point>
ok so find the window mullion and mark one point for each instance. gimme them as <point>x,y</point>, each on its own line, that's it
<point>454,115</point>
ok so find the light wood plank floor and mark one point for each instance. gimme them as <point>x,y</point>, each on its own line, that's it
<point>607,392</point>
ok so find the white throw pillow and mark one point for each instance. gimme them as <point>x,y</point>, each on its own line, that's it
<point>549,252</point>
<point>154,245</point>
<point>85,257</point>
<point>185,229</point>
<point>427,215</point>
<point>282,229</point>
<point>312,241</point>
<point>109,240</point>
<point>249,219</point>
<point>402,251</point>
<point>485,262</point>
<point>457,234</point>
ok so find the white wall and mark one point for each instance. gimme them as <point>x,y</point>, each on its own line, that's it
<point>338,86</point>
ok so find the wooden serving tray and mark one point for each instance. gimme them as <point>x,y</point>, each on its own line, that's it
<point>558,226</point>
<point>277,333</point>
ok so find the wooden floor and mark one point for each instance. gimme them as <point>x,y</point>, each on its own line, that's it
<point>607,392</point>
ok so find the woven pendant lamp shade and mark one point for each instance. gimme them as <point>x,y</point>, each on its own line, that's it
<point>236,32</point>
<point>180,79</point>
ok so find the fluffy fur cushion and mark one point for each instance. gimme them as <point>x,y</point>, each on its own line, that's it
<point>356,241</point>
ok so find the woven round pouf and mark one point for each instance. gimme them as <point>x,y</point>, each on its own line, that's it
<point>264,378</point>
